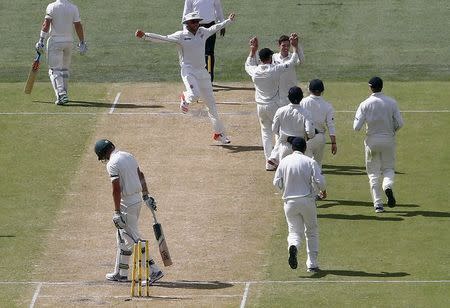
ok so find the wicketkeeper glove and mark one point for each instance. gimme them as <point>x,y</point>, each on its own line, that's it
<point>119,220</point>
<point>82,47</point>
<point>150,202</point>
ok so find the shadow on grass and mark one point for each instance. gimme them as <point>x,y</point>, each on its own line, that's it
<point>218,88</point>
<point>101,105</point>
<point>242,148</point>
<point>330,203</point>
<point>7,235</point>
<point>346,170</point>
<point>199,285</point>
<point>349,273</point>
<point>379,217</point>
<point>420,213</point>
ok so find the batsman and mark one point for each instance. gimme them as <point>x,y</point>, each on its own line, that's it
<point>129,188</point>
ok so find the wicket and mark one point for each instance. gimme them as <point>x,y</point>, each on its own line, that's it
<point>140,259</point>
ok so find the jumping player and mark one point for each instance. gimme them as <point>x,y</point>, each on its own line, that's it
<point>191,50</point>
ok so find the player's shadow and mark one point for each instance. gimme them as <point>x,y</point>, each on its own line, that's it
<point>343,170</point>
<point>327,203</point>
<point>218,88</point>
<point>72,103</point>
<point>242,148</point>
<point>6,235</point>
<point>350,273</point>
<point>359,217</point>
<point>193,284</point>
<point>421,213</point>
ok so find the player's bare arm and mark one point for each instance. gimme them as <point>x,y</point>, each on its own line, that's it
<point>253,43</point>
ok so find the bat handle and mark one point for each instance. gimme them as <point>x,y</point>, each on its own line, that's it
<point>154,215</point>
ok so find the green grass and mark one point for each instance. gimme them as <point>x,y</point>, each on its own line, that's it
<point>405,243</point>
<point>343,40</point>
<point>39,155</point>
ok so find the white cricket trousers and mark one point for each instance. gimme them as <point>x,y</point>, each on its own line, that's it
<point>198,85</point>
<point>301,217</point>
<point>380,165</point>
<point>315,148</point>
<point>266,112</point>
<point>59,57</point>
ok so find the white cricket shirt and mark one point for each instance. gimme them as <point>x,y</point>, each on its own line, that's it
<point>63,14</point>
<point>322,113</point>
<point>289,78</point>
<point>290,120</point>
<point>209,10</point>
<point>266,78</point>
<point>123,165</point>
<point>380,113</point>
<point>295,175</point>
<point>191,48</point>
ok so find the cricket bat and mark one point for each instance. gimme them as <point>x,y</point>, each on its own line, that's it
<point>162,244</point>
<point>33,73</point>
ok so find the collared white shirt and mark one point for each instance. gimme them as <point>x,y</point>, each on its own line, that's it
<point>209,10</point>
<point>123,166</point>
<point>322,113</point>
<point>380,113</point>
<point>295,176</point>
<point>191,48</point>
<point>289,78</point>
<point>291,120</point>
<point>266,78</point>
<point>62,14</point>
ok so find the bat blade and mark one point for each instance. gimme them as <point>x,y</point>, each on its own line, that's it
<point>162,244</point>
<point>33,73</point>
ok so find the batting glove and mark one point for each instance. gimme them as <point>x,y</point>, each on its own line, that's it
<point>150,202</point>
<point>119,220</point>
<point>82,47</point>
<point>40,45</point>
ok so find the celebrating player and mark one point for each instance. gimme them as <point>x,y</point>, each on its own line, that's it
<point>60,18</point>
<point>383,119</point>
<point>128,182</point>
<point>266,78</point>
<point>191,50</point>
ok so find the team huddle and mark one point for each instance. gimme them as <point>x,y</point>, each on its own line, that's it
<point>293,126</point>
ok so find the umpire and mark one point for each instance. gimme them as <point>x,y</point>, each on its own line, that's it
<point>211,12</point>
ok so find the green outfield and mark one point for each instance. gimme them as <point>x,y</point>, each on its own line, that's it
<point>48,170</point>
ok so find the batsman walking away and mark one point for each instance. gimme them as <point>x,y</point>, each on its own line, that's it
<point>61,17</point>
<point>129,188</point>
<point>191,51</point>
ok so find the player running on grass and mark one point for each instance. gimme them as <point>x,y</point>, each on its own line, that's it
<point>196,79</point>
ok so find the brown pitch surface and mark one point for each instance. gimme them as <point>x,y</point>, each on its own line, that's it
<point>216,204</point>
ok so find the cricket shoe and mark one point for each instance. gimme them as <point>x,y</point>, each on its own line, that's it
<point>62,99</point>
<point>313,269</point>
<point>292,257</point>
<point>184,106</point>
<point>155,276</point>
<point>390,195</point>
<point>116,277</point>
<point>379,209</point>
<point>221,138</point>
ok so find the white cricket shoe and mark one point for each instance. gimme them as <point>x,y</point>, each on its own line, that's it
<point>116,277</point>
<point>221,138</point>
<point>154,277</point>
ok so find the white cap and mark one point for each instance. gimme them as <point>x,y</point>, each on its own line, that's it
<point>192,16</point>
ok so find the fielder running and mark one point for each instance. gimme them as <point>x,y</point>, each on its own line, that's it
<point>382,117</point>
<point>266,78</point>
<point>128,187</point>
<point>296,175</point>
<point>60,18</point>
<point>290,121</point>
<point>322,115</point>
<point>191,51</point>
